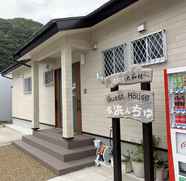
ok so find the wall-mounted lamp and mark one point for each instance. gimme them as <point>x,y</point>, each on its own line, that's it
<point>141,28</point>
<point>47,66</point>
<point>83,59</point>
<point>94,46</point>
<point>100,77</point>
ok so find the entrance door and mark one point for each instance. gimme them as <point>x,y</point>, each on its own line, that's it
<point>58,107</point>
<point>76,84</point>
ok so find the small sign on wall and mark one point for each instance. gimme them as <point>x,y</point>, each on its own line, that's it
<point>135,74</point>
<point>137,105</point>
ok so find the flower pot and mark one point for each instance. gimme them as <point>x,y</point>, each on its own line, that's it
<point>159,174</point>
<point>138,168</point>
<point>126,167</point>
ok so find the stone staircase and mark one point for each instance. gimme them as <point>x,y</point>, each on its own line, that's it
<point>60,155</point>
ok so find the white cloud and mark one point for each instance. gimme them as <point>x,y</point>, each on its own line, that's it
<point>44,10</point>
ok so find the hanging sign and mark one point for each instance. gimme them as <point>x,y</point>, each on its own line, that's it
<point>137,105</point>
<point>135,74</point>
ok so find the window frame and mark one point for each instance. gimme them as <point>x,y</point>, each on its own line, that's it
<point>154,61</point>
<point>27,90</point>
<point>124,47</point>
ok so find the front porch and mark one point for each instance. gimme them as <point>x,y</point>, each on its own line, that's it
<point>61,155</point>
<point>64,58</point>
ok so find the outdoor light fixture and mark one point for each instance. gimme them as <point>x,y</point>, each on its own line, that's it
<point>82,59</point>
<point>141,28</point>
<point>100,77</point>
<point>94,46</point>
<point>47,66</point>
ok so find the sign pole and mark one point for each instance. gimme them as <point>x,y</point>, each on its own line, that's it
<point>116,145</point>
<point>148,144</point>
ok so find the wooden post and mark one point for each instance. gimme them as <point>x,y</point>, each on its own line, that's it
<point>148,144</point>
<point>116,145</point>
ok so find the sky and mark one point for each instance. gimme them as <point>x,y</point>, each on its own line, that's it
<point>45,10</point>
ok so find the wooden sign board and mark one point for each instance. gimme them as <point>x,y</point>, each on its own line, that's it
<point>135,74</point>
<point>137,105</point>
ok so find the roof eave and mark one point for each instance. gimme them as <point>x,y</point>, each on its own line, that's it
<point>40,38</point>
<point>54,26</point>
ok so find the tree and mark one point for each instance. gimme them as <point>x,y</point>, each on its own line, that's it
<point>14,33</point>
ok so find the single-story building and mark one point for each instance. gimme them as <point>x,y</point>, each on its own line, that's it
<point>56,82</point>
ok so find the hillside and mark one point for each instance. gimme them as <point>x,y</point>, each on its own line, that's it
<point>13,34</point>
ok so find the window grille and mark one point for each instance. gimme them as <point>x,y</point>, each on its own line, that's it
<point>49,78</point>
<point>28,85</point>
<point>149,49</point>
<point>114,60</point>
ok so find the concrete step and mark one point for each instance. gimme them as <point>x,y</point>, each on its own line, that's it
<point>56,138</point>
<point>59,151</point>
<point>58,166</point>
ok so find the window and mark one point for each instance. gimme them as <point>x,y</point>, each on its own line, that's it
<point>114,60</point>
<point>49,78</point>
<point>149,49</point>
<point>28,85</point>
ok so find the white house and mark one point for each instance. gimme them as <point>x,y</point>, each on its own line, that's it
<point>55,81</point>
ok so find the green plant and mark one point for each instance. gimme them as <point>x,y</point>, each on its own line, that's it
<point>158,162</point>
<point>126,157</point>
<point>138,154</point>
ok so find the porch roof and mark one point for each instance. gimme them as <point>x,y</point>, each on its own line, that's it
<point>58,25</point>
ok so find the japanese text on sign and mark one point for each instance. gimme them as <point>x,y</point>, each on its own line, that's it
<point>137,105</point>
<point>134,75</point>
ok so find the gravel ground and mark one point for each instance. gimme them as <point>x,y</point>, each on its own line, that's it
<point>16,165</point>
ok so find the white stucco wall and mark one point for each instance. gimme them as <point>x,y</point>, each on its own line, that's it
<point>5,99</point>
<point>21,103</point>
<point>47,93</point>
<point>46,99</point>
<point>157,15</point>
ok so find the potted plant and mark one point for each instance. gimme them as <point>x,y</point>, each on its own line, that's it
<point>126,163</point>
<point>158,165</point>
<point>158,162</point>
<point>137,158</point>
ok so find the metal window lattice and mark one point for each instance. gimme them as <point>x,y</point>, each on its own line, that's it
<point>149,50</point>
<point>114,60</point>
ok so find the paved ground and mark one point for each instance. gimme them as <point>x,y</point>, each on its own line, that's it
<point>8,135</point>
<point>24,127</point>
<point>93,174</point>
<point>15,165</point>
